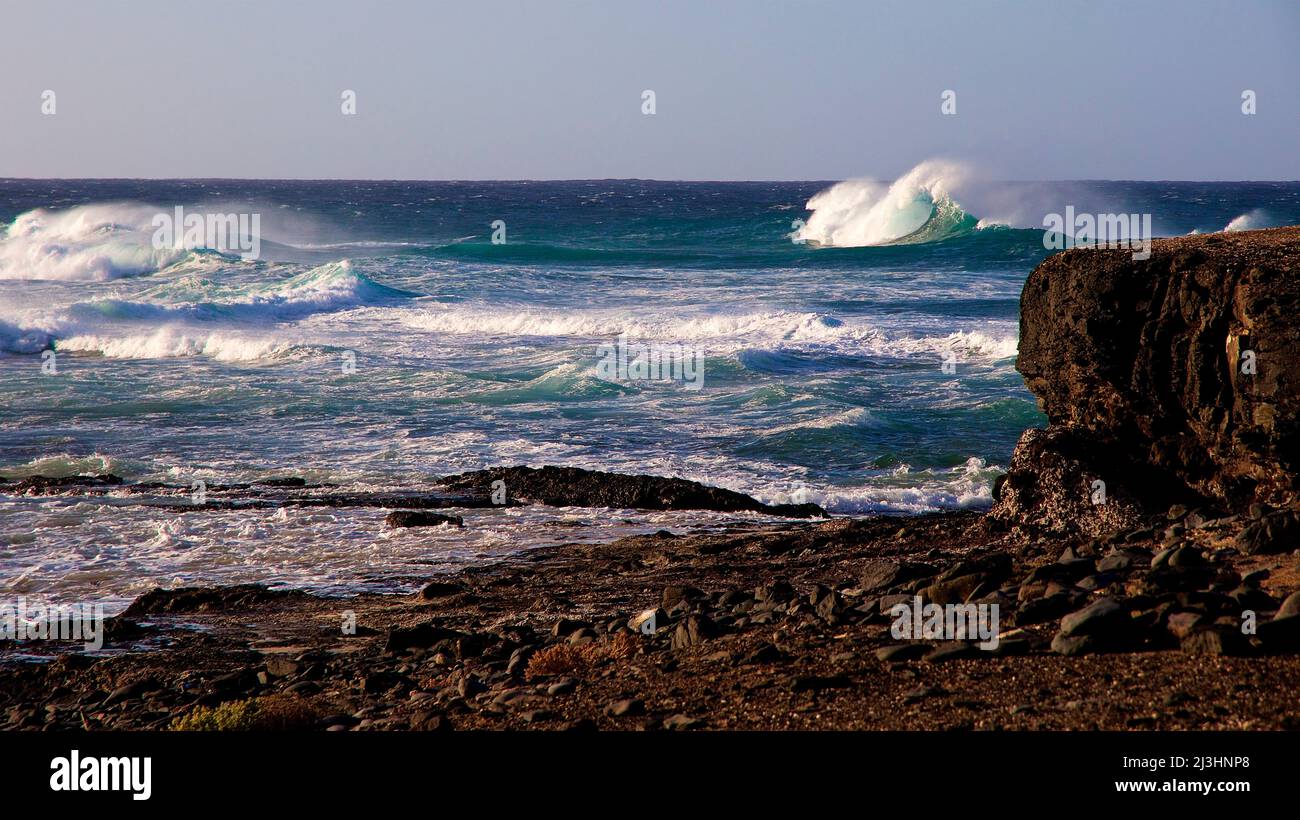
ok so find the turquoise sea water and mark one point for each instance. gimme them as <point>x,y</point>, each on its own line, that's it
<point>823,377</point>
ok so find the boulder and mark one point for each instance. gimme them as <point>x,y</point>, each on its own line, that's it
<point>1169,379</point>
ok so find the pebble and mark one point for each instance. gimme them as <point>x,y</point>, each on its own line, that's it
<point>629,707</point>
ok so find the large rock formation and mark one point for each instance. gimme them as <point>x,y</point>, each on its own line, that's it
<point>1171,379</point>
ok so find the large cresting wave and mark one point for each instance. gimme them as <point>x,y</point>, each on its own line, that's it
<point>92,243</point>
<point>918,207</point>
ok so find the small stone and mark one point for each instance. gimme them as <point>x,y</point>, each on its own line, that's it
<point>1104,616</point>
<point>536,716</point>
<point>647,621</point>
<point>1216,642</point>
<point>672,596</point>
<point>629,707</point>
<point>775,591</point>
<point>440,589</point>
<point>816,683</point>
<point>829,607</point>
<point>681,723</point>
<point>952,651</point>
<point>1291,606</point>
<point>902,652</point>
<point>954,591</point>
<point>923,692</point>
<point>562,687</point>
<point>518,662</point>
<point>582,636</point>
<point>470,685</point>
<point>1280,634</point>
<point>694,630</point>
<point>764,653</point>
<point>1183,624</point>
<point>565,627</point>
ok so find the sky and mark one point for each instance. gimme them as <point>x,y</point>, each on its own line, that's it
<point>743,89</point>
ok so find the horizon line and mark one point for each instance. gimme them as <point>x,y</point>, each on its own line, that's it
<point>590,179</point>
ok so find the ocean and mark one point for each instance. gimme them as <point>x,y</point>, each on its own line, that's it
<point>391,332</point>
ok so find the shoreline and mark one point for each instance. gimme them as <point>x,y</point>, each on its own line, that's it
<point>766,627</point>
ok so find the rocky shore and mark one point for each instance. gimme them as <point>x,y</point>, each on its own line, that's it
<point>1141,553</point>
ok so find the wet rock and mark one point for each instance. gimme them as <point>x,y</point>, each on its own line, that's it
<point>435,590</point>
<point>41,485</point>
<point>576,487</point>
<point>208,599</point>
<point>421,518</point>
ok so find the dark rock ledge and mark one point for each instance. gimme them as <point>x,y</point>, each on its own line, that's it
<point>552,486</point>
<point>1175,381</point>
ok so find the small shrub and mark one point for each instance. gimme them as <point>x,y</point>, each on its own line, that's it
<point>624,646</point>
<point>560,659</point>
<point>272,712</point>
<point>577,661</point>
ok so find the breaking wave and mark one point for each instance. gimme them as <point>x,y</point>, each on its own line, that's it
<point>228,323</point>
<point>919,207</point>
<point>93,243</point>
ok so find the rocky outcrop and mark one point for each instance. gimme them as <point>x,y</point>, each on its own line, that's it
<point>576,487</point>
<point>1168,380</point>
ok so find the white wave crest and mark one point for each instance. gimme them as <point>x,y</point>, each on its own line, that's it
<point>85,243</point>
<point>860,212</point>
<point>232,324</point>
<point>717,334</point>
<point>1251,221</point>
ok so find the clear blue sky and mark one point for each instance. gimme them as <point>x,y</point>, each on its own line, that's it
<point>551,89</point>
